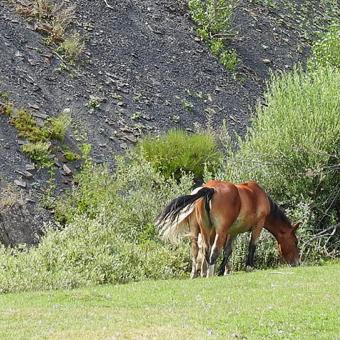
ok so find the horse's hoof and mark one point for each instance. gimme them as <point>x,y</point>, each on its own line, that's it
<point>193,276</point>
<point>249,269</point>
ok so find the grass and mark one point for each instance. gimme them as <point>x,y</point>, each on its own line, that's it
<point>299,303</point>
<point>72,47</point>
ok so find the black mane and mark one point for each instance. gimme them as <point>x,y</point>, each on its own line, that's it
<point>277,213</point>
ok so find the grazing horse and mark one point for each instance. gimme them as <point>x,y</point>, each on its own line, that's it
<point>218,212</point>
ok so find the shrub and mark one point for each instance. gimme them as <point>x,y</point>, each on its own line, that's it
<point>27,126</point>
<point>6,107</point>
<point>293,148</point>
<point>57,126</point>
<point>178,152</point>
<point>50,17</point>
<point>72,47</point>
<point>109,236</point>
<point>293,144</point>
<point>326,51</point>
<point>39,152</point>
<point>213,20</point>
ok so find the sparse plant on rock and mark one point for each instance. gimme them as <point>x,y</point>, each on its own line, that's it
<point>58,126</point>
<point>326,51</point>
<point>72,47</point>
<point>39,152</point>
<point>213,18</point>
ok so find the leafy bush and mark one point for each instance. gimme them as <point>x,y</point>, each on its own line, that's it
<point>39,152</point>
<point>294,142</point>
<point>326,51</point>
<point>293,149</point>
<point>177,152</point>
<point>109,236</point>
<point>58,126</point>
<point>72,47</point>
<point>28,127</point>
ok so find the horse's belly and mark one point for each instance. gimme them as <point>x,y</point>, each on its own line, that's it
<point>238,227</point>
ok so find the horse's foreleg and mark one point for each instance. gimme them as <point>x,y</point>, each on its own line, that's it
<point>226,254</point>
<point>218,245</point>
<point>252,245</point>
<point>204,268</point>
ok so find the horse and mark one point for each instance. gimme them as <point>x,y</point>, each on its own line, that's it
<point>219,211</point>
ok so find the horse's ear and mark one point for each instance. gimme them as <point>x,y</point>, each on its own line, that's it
<point>296,225</point>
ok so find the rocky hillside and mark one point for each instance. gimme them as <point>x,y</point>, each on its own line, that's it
<point>143,71</point>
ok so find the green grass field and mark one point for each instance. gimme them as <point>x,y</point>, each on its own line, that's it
<point>287,303</point>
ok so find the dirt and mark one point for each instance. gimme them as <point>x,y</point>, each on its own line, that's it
<point>147,70</point>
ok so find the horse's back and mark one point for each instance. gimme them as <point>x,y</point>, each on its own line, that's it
<point>225,204</point>
<point>242,205</point>
<point>254,201</point>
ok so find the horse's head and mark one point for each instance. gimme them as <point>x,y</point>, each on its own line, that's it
<point>288,245</point>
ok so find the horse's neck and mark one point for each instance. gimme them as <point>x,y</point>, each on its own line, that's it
<point>274,227</point>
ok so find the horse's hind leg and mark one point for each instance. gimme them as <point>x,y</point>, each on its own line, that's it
<point>194,248</point>
<point>194,255</point>
<point>217,247</point>
<point>204,267</point>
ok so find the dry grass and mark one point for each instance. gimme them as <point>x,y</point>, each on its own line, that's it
<point>49,18</point>
<point>53,20</point>
<point>9,196</point>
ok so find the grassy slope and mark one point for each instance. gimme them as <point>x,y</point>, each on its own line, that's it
<point>295,303</point>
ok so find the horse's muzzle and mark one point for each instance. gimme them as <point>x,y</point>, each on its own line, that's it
<point>295,263</point>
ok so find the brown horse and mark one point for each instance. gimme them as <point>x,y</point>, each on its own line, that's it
<point>219,211</point>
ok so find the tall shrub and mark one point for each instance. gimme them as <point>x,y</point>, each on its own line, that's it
<point>293,150</point>
<point>179,152</point>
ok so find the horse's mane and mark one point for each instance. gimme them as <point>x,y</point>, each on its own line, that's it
<point>277,213</point>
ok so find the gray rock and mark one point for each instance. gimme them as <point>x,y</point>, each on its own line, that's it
<point>19,225</point>
<point>20,183</point>
<point>29,167</point>
<point>67,170</point>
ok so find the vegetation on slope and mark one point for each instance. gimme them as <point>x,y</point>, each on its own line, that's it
<point>179,152</point>
<point>39,137</point>
<point>108,232</point>
<point>53,19</point>
<point>213,20</point>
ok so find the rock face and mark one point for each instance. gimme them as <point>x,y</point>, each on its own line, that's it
<point>21,223</point>
<point>141,70</point>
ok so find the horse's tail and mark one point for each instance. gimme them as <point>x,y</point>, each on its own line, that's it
<point>174,220</point>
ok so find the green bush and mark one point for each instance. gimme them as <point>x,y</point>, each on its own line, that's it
<point>293,150</point>
<point>72,47</point>
<point>109,236</point>
<point>28,127</point>
<point>39,152</point>
<point>57,126</point>
<point>178,152</point>
<point>326,51</point>
<point>294,142</point>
